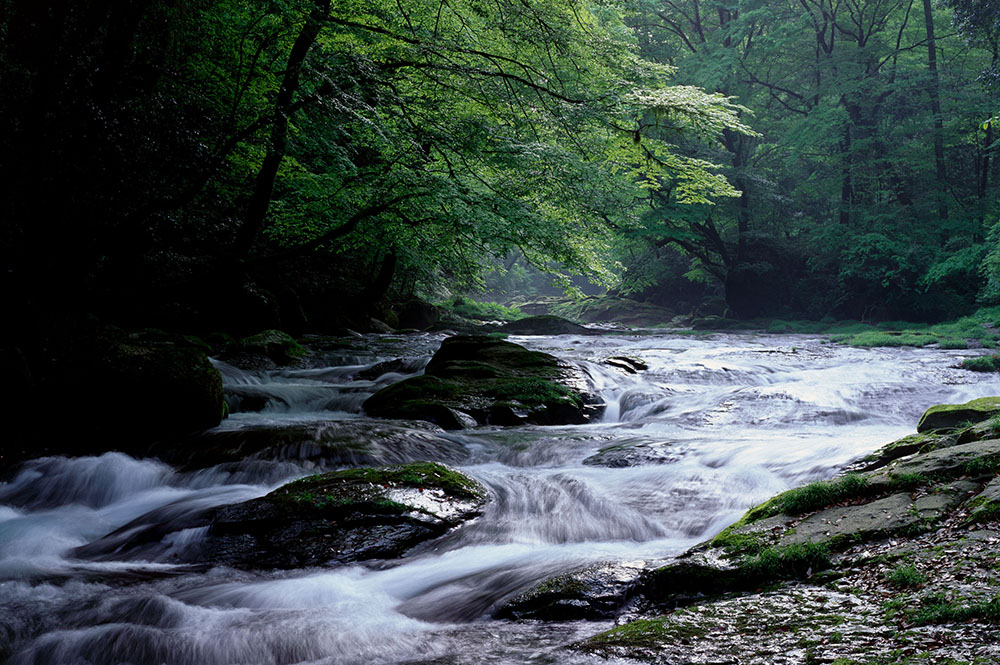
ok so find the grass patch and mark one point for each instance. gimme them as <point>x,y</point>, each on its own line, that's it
<point>772,564</point>
<point>981,466</point>
<point>905,576</point>
<point>982,363</point>
<point>739,544</point>
<point>985,510</point>
<point>810,497</point>
<point>938,609</point>
<point>949,335</point>
<point>894,338</point>
<point>909,480</point>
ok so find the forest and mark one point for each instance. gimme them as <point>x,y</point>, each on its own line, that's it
<point>508,332</point>
<point>215,165</point>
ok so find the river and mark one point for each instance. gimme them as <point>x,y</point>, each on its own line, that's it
<point>716,424</point>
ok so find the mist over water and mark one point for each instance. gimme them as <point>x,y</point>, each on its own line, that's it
<point>89,547</point>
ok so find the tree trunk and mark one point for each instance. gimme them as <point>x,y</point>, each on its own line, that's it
<point>263,188</point>
<point>847,186</point>
<point>934,90</point>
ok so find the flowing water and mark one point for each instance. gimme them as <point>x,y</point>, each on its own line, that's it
<point>717,423</point>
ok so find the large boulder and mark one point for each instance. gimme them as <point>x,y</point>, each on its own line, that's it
<point>545,324</point>
<point>343,516</point>
<point>265,350</point>
<point>418,315</point>
<point>124,384</point>
<point>951,416</point>
<point>594,593</point>
<point>485,380</point>
<point>334,443</point>
<point>901,557</point>
<point>613,309</point>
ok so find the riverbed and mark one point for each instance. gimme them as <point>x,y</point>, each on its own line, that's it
<point>717,423</point>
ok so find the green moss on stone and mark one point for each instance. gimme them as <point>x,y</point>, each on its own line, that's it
<point>416,474</point>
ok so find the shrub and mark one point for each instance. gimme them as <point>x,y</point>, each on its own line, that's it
<point>484,311</point>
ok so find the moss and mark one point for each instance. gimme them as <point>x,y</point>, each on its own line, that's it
<point>484,311</point>
<point>736,544</point>
<point>952,416</point>
<point>275,344</point>
<point>564,586</point>
<point>340,489</point>
<point>531,391</point>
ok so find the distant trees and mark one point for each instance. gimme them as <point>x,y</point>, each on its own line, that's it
<point>869,185</point>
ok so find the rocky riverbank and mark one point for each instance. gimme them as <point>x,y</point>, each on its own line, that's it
<point>895,563</point>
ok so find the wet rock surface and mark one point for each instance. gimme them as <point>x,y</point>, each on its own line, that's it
<point>594,593</point>
<point>641,453</point>
<point>482,380</point>
<point>343,516</point>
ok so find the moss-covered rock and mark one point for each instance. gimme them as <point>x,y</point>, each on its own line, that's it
<point>954,416</point>
<point>275,344</point>
<point>491,381</point>
<point>545,324</point>
<point>343,516</point>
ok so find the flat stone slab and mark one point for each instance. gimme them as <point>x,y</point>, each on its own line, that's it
<point>864,522</point>
<point>949,461</point>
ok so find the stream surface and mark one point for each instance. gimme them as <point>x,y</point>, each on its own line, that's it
<point>716,424</point>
